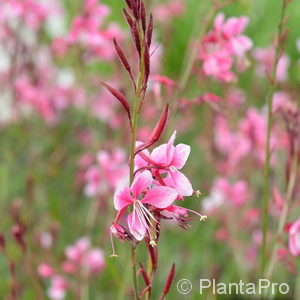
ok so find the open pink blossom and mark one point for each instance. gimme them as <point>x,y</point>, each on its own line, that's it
<point>294,238</point>
<point>138,196</point>
<point>169,159</point>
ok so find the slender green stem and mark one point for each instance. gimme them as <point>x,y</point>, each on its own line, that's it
<point>266,194</point>
<point>284,215</point>
<point>134,126</point>
<point>131,167</point>
<point>135,283</point>
<point>297,286</point>
<point>135,116</point>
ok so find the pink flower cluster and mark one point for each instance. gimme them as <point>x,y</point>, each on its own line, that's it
<point>46,97</point>
<point>157,184</point>
<point>31,12</point>
<point>88,31</point>
<point>223,192</point>
<point>24,58</point>
<point>222,45</point>
<point>110,173</point>
<point>81,258</point>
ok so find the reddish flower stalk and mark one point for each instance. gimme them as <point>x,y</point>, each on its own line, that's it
<point>155,179</point>
<point>124,61</point>
<point>135,15</point>
<point>121,98</point>
<point>157,132</point>
<point>168,282</point>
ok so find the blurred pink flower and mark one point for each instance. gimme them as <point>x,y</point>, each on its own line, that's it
<point>110,172</point>
<point>222,44</point>
<point>89,31</point>
<point>45,270</point>
<point>223,192</point>
<point>94,260</point>
<point>58,288</point>
<point>265,61</point>
<point>282,100</point>
<point>165,12</point>
<point>237,193</point>
<point>294,238</point>
<point>31,12</point>
<point>77,251</point>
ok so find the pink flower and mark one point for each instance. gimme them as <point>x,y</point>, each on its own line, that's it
<point>169,159</point>
<point>93,178</point>
<point>81,255</point>
<point>223,191</point>
<point>222,45</point>
<point>166,11</point>
<point>139,196</point>
<point>294,238</point>
<point>94,260</point>
<point>45,270</point>
<point>76,252</point>
<point>87,31</point>
<point>237,193</point>
<point>234,145</point>
<point>265,60</point>
<point>231,32</point>
<point>282,101</point>
<point>111,172</point>
<point>68,267</point>
<point>58,288</point>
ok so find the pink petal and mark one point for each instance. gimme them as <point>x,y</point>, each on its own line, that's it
<point>241,24</point>
<point>164,153</point>
<point>171,148</point>
<point>219,20</point>
<point>295,227</point>
<point>241,45</point>
<point>141,183</point>
<point>136,227</point>
<point>159,154</point>
<point>181,155</point>
<point>181,183</point>
<point>139,161</point>
<point>161,196</point>
<point>122,198</point>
